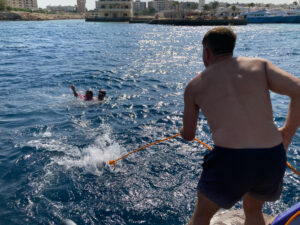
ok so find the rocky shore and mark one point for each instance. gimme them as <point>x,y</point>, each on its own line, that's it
<point>15,16</point>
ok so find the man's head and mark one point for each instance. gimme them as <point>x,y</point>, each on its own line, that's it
<point>101,94</point>
<point>88,95</point>
<point>218,41</point>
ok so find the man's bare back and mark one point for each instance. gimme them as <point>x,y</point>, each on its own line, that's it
<point>237,103</point>
<point>233,94</point>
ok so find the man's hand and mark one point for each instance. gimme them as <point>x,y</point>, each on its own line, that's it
<point>184,135</point>
<point>286,137</point>
<point>181,131</point>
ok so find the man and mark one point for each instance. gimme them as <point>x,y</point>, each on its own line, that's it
<point>89,95</point>
<point>248,160</point>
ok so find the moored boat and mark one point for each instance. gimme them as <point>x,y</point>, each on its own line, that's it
<point>272,16</point>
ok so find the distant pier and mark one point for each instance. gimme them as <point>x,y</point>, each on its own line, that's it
<point>104,19</point>
<point>175,22</point>
<point>190,22</point>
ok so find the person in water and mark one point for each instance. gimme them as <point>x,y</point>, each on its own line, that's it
<point>249,159</point>
<point>101,95</point>
<point>89,95</point>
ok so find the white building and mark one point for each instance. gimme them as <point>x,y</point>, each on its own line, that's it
<point>228,11</point>
<point>160,5</point>
<point>24,4</point>
<point>201,4</point>
<point>139,6</point>
<point>81,6</point>
<point>114,10</point>
<point>151,4</point>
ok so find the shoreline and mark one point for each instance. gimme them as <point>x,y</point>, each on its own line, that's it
<point>32,16</point>
<point>174,22</point>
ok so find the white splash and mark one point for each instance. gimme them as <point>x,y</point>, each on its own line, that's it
<point>93,158</point>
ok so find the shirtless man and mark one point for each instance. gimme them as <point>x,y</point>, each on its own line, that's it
<point>248,160</point>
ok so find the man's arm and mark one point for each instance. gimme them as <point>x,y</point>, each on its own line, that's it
<point>74,91</point>
<point>284,83</point>
<point>190,115</point>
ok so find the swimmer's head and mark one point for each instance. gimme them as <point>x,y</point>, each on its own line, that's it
<point>88,95</point>
<point>101,94</point>
<point>219,40</point>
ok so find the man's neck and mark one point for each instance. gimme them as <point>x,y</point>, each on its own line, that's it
<point>221,57</point>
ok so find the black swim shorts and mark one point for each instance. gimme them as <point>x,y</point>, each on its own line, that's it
<point>228,174</point>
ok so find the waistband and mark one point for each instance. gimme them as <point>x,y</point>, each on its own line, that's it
<point>276,147</point>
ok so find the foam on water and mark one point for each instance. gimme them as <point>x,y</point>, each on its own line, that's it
<point>92,158</point>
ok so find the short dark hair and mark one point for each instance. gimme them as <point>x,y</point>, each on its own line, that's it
<point>102,92</point>
<point>89,92</point>
<point>219,40</point>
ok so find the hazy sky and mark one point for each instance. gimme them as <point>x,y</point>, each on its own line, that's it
<point>90,4</point>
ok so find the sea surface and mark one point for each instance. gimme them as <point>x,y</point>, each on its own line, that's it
<point>54,148</point>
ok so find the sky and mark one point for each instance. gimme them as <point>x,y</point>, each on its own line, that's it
<point>90,4</point>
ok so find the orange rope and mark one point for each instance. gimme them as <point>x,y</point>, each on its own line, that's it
<point>293,169</point>
<point>292,218</point>
<point>114,162</point>
<point>207,146</point>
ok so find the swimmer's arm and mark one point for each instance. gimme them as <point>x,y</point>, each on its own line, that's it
<point>74,91</point>
<point>284,83</point>
<point>190,115</point>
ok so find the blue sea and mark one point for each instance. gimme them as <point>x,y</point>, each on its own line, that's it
<point>54,148</point>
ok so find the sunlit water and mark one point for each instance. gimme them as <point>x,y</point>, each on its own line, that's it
<point>54,148</point>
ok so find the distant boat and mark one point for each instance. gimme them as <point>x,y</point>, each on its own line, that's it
<point>273,16</point>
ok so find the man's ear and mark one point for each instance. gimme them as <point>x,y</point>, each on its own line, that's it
<point>206,56</point>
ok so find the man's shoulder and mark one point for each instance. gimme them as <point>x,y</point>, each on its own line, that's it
<point>251,64</point>
<point>195,84</point>
<point>251,59</point>
<point>196,79</point>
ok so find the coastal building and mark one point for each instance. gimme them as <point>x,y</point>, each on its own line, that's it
<point>161,5</point>
<point>24,4</point>
<point>81,6</point>
<point>151,4</point>
<point>112,10</point>
<point>139,6</point>
<point>201,4</point>
<point>179,10</point>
